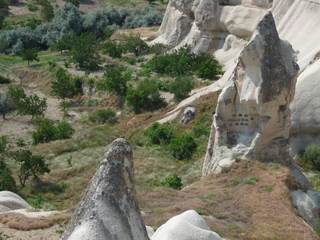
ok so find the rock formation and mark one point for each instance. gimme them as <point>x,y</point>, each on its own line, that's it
<point>11,201</point>
<point>186,226</point>
<point>188,115</point>
<point>252,119</point>
<point>109,209</point>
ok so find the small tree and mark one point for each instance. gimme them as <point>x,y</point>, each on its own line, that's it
<point>183,147</point>
<point>135,45</point>
<point>27,105</point>
<point>30,55</point>
<point>30,165</point>
<point>65,86</point>
<point>84,51</point>
<point>3,145</point>
<point>7,182</point>
<point>65,43</point>
<point>115,80</point>
<point>6,105</point>
<point>181,87</point>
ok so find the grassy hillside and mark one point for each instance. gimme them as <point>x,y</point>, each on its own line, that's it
<point>250,201</point>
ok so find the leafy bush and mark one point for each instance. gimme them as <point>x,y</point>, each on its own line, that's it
<point>134,44</point>
<point>106,116</point>
<point>115,80</point>
<point>145,17</point>
<point>160,134</point>
<point>181,87</point>
<point>65,86</point>
<point>32,7</point>
<point>96,22</point>
<point>312,157</point>
<point>4,80</point>
<point>27,105</point>
<point>87,57</point>
<point>3,144</point>
<point>145,97</point>
<point>64,130</point>
<point>183,147</point>
<point>171,182</point>
<point>112,48</point>
<point>6,105</point>
<point>30,165</point>
<point>47,132</point>
<point>183,62</point>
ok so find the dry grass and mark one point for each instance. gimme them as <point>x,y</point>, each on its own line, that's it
<point>262,210</point>
<point>21,222</point>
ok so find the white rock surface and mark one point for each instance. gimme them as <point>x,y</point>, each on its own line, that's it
<point>11,201</point>
<point>186,226</point>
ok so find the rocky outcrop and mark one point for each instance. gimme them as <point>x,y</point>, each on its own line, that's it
<point>109,209</point>
<point>308,204</point>
<point>188,225</point>
<point>188,115</point>
<point>206,24</point>
<point>11,201</point>
<point>252,119</point>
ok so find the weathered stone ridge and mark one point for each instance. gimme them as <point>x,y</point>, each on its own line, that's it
<point>205,24</point>
<point>109,209</point>
<point>252,118</point>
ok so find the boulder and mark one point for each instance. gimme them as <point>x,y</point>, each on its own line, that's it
<point>186,226</point>
<point>188,115</point>
<point>308,203</point>
<point>252,118</point>
<point>11,201</point>
<point>109,209</point>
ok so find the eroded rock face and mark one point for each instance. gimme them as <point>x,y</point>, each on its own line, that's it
<point>11,201</point>
<point>252,118</point>
<point>109,209</point>
<point>205,24</point>
<point>188,115</point>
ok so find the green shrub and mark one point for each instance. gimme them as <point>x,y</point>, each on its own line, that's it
<point>112,48</point>
<point>171,182</point>
<point>30,165</point>
<point>312,157</point>
<point>4,80</point>
<point>181,87</point>
<point>47,132</point>
<point>92,102</point>
<point>183,147</point>
<point>106,116</point>
<point>64,130</point>
<point>146,97</point>
<point>32,7</point>
<point>201,130</point>
<point>160,134</point>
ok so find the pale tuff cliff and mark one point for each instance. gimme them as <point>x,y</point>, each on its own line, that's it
<point>252,119</point>
<point>224,27</point>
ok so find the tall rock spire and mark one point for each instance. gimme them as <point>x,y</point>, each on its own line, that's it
<point>109,209</point>
<point>252,119</point>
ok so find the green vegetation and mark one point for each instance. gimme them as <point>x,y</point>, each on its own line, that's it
<point>4,80</point>
<point>171,182</point>
<point>30,55</point>
<point>30,165</point>
<point>183,147</point>
<point>47,132</point>
<point>27,105</point>
<point>160,134</point>
<point>311,157</point>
